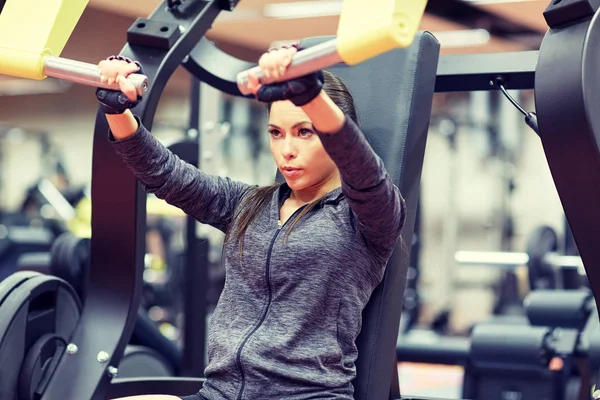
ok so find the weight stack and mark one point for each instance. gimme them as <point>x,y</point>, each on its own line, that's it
<point>518,362</point>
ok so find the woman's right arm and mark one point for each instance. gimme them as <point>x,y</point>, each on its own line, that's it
<point>209,199</point>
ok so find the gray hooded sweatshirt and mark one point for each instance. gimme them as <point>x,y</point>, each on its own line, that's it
<point>287,320</point>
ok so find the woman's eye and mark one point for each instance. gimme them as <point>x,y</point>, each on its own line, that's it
<point>274,132</point>
<point>305,132</point>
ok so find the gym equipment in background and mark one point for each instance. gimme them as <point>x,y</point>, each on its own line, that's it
<point>49,200</point>
<point>16,241</point>
<point>545,265</point>
<point>45,208</point>
<point>69,260</point>
<point>47,309</point>
<point>553,356</point>
<point>566,118</point>
<point>27,234</point>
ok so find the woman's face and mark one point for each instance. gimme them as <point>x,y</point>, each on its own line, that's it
<point>297,149</point>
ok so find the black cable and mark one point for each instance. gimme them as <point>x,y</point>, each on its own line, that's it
<point>530,117</point>
<point>512,100</point>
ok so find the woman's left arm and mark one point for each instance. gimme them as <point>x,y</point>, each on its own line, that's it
<point>374,199</point>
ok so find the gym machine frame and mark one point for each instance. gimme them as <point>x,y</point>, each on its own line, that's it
<point>160,43</point>
<point>114,292</point>
<point>561,74</point>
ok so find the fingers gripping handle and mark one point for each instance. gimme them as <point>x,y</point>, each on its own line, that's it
<point>312,59</point>
<point>87,74</point>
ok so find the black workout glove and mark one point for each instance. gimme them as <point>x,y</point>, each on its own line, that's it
<point>300,91</point>
<point>114,101</point>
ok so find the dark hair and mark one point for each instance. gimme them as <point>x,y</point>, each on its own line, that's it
<point>259,197</point>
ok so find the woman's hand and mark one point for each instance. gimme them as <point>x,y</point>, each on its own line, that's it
<point>117,69</point>
<point>300,91</point>
<point>273,64</point>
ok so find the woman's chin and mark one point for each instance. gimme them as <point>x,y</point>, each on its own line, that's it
<point>296,184</point>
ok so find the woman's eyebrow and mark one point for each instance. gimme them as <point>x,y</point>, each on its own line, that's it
<point>297,124</point>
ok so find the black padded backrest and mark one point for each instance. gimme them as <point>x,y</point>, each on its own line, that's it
<point>393,93</point>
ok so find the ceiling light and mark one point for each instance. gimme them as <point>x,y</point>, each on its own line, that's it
<point>240,14</point>
<point>447,39</point>
<point>463,38</point>
<point>303,9</point>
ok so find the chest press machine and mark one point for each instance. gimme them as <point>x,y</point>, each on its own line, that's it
<point>73,352</point>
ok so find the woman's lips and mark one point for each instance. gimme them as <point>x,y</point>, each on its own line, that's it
<point>290,172</point>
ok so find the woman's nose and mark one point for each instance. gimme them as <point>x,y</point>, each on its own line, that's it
<point>289,149</point>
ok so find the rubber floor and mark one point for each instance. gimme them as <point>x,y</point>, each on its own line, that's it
<point>428,380</point>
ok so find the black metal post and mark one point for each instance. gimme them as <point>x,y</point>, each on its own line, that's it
<point>569,245</point>
<point>395,386</point>
<point>195,266</point>
<point>160,43</point>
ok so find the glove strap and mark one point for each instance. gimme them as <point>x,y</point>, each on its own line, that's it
<point>310,94</point>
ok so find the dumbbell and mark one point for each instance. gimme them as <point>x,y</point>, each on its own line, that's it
<point>541,258</point>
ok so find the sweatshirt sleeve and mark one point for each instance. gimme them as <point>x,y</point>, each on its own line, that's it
<point>375,201</point>
<point>208,198</point>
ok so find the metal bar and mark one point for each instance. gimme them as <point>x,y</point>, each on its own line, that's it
<point>511,260</point>
<point>450,230</point>
<point>87,74</point>
<point>395,386</point>
<point>195,102</point>
<point>119,226</point>
<point>455,73</point>
<point>315,58</point>
<point>195,287</point>
<point>470,72</point>
<point>195,302</point>
<point>56,199</point>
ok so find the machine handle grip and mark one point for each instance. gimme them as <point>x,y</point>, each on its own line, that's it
<point>87,74</point>
<point>304,62</point>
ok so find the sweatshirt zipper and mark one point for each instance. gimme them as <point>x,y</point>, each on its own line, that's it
<point>269,296</point>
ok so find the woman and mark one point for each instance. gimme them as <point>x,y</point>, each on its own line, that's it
<point>301,257</point>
